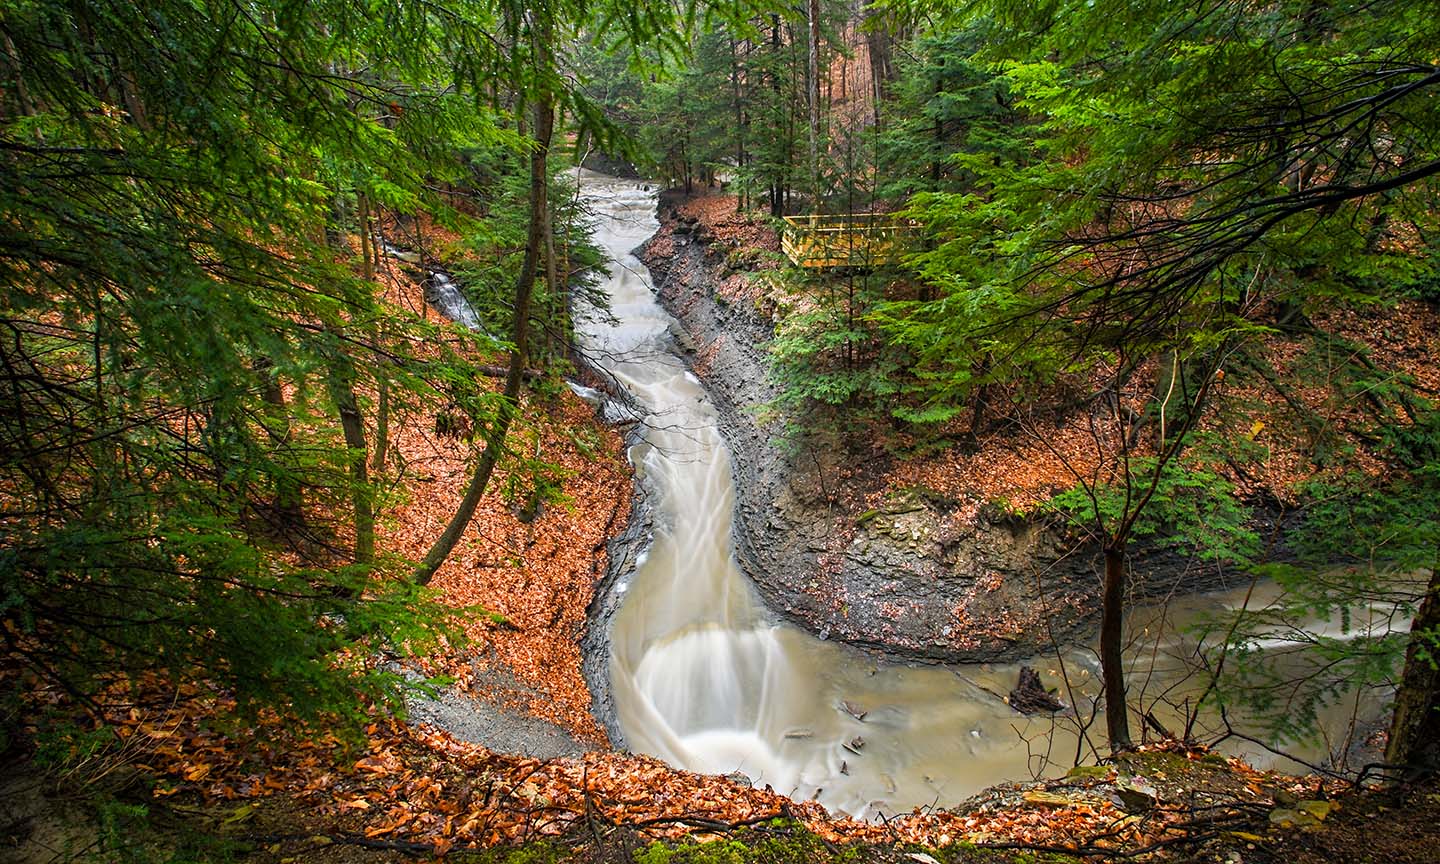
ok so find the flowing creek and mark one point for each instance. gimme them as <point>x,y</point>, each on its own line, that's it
<point>704,677</point>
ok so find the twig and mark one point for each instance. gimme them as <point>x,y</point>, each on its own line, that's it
<point>408,847</point>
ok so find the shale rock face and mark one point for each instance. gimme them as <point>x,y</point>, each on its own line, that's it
<point>922,577</point>
<point>907,579</point>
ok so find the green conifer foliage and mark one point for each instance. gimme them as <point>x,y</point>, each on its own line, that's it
<point>174,178</point>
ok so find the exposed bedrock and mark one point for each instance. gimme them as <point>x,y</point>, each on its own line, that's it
<point>912,578</point>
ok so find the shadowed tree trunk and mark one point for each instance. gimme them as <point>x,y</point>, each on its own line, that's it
<point>812,96</point>
<point>877,45</point>
<point>1415,727</point>
<point>341,383</point>
<point>1112,634</point>
<point>777,187</point>
<point>288,498</point>
<point>524,290</point>
<point>742,193</point>
<point>371,255</point>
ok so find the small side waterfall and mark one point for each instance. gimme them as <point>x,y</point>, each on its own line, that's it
<point>440,290</point>
<point>442,293</point>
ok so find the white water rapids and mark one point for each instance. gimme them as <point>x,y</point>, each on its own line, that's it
<point>703,675</point>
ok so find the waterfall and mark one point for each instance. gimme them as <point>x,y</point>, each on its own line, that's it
<point>704,677</point>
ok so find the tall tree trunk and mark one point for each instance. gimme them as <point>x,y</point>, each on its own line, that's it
<point>740,193</point>
<point>792,122</point>
<point>1112,635</point>
<point>777,187</point>
<point>369,251</point>
<point>685,163</point>
<point>1415,725</point>
<point>367,237</point>
<point>938,132</point>
<point>22,93</point>
<point>812,95</point>
<point>524,290</point>
<point>877,45</point>
<point>288,501</point>
<point>341,382</point>
<point>556,284</point>
<point>382,424</point>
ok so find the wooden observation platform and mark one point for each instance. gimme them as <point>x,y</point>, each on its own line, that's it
<point>847,240</point>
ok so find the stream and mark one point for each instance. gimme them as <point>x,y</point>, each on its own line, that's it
<point>704,677</point>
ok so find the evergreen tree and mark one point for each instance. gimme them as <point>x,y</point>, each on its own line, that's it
<point>1189,180</point>
<point>184,328</point>
<point>199,371</point>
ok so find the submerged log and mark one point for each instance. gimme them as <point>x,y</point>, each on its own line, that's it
<point>1031,697</point>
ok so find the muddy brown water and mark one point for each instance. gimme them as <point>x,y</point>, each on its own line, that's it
<point>704,677</point>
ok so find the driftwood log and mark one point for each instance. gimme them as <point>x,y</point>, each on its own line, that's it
<point>1031,697</point>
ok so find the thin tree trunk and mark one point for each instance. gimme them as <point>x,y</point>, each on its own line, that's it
<point>367,238</point>
<point>740,195</point>
<point>559,301</point>
<point>382,425</point>
<point>524,290</point>
<point>791,120</point>
<point>1112,624</point>
<point>685,163</point>
<point>777,188</point>
<point>22,93</point>
<point>341,381</point>
<point>369,252</point>
<point>812,95</point>
<point>1415,725</point>
<point>288,501</point>
<point>878,36</point>
<point>556,284</point>
<point>938,132</point>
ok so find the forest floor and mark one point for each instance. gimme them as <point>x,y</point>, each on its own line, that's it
<point>1164,806</point>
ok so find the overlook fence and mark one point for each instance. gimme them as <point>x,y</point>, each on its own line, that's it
<point>846,240</point>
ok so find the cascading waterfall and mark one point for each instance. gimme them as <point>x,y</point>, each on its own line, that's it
<point>440,290</point>
<point>701,674</point>
<point>445,295</point>
<point>704,677</point>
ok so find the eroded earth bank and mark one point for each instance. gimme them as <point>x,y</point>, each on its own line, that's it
<point>737,528</point>
<point>855,546</point>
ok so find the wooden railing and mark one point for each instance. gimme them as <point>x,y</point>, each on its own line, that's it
<point>847,240</point>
